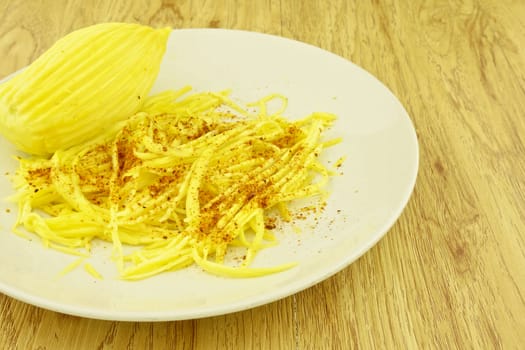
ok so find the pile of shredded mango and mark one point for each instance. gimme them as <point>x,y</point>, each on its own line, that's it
<point>182,180</point>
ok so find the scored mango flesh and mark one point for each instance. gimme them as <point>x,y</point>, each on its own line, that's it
<point>85,84</point>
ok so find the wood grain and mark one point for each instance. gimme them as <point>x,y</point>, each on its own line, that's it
<point>450,273</point>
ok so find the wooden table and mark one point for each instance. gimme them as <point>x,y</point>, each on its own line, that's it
<point>451,272</point>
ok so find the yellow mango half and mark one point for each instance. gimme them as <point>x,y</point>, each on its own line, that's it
<point>81,87</point>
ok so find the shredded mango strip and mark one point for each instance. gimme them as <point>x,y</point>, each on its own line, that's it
<point>91,270</point>
<point>182,181</point>
<point>71,266</point>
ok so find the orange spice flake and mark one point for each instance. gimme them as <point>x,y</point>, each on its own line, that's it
<point>42,173</point>
<point>270,223</point>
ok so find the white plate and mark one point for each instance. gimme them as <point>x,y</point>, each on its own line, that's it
<point>378,177</point>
